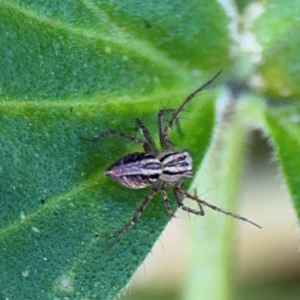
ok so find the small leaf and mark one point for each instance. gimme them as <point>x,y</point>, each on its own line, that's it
<point>277,33</point>
<point>284,127</point>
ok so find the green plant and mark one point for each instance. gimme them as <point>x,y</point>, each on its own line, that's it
<point>75,68</point>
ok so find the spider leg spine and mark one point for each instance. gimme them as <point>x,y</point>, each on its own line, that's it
<point>202,202</point>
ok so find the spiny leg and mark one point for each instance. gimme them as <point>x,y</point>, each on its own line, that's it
<point>199,204</point>
<point>148,137</point>
<point>186,208</point>
<point>120,135</point>
<point>202,202</point>
<point>186,102</point>
<point>166,144</point>
<point>161,120</point>
<point>163,138</point>
<point>179,186</point>
<point>166,201</point>
<point>136,216</point>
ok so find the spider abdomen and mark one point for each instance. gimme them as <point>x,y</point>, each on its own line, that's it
<point>175,165</point>
<point>135,170</point>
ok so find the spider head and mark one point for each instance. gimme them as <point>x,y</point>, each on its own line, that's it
<point>175,165</point>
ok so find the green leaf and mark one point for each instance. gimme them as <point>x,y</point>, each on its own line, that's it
<point>277,33</point>
<point>284,127</point>
<point>72,69</point>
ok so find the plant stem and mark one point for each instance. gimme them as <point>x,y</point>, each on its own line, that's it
<point>210,257</point>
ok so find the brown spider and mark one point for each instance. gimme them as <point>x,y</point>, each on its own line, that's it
<point>159,169</point>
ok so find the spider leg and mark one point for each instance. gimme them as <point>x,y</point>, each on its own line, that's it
<point>166,201</point>
<point>163,138</point>
<point>120,135</point>
<point>184,207</point>
<point>178,128</point>
<point>199,204</point>
<point>150,142</point>
<point>136,216</point>
<point>202,202</point>
<point>186,102</point>
<point>161,120</point>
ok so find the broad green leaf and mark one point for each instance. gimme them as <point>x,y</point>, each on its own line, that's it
<point>77,68</point>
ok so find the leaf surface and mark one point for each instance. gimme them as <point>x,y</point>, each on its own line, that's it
<point>72,69</point>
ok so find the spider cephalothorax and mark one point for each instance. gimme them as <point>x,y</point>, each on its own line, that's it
<point>158,169</point>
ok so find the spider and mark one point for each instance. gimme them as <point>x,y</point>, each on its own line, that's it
<point>158,169</point>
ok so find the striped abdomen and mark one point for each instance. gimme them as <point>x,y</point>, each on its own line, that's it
<point>136,170</point>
